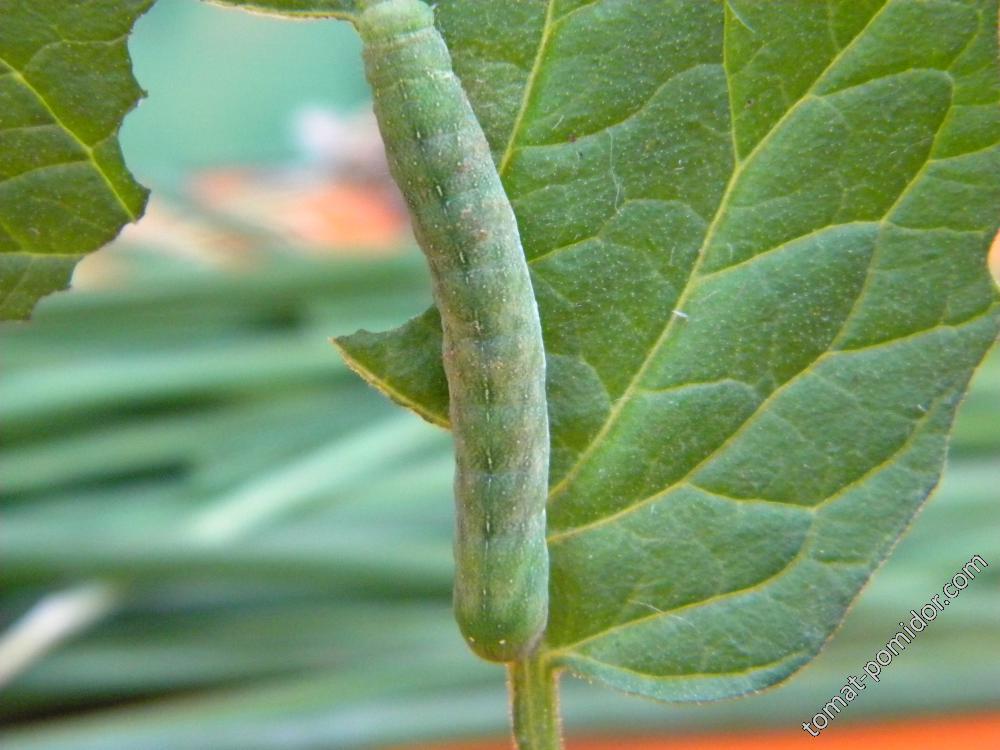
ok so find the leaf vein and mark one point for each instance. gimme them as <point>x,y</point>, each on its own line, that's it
<point>83,144</point>
<point>789,566</point>
<point>688,675</point>
<point>715,454</point>
<point>738,169</point>
<point>529,87</point>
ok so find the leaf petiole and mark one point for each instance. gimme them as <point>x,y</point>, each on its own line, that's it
<point>534,697</point>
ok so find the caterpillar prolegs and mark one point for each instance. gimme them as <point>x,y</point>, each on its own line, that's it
<point>493,354</point>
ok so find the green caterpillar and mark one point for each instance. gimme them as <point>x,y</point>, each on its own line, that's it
<point>493,353</point>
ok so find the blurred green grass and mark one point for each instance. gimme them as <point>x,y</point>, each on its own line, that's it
<point>274,537</point>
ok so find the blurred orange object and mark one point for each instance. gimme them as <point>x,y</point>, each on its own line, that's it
<point>969,732</point>
<point>317,212</point>
<point>995,258</point>
<point>348,216</point>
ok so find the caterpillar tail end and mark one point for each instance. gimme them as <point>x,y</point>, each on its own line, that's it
<point>503,618</point>
<point>492,641</point>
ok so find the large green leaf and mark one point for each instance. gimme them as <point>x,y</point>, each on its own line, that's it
<point>297,8</point>
<point>65,85</point>
<point>757,232</point>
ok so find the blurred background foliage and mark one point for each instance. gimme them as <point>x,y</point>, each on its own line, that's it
<point>213,536</point>
<point>224,86</point>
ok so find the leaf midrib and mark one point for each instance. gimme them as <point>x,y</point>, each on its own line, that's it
<point>87,148</point>
<point>738,169</point>
<point>529,88</point>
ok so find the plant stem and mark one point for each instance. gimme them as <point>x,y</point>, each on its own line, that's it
<point>534,697</point>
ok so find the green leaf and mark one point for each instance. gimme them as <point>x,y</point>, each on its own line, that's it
<point>65,85</point>
<point>757,232</point>
<point>296,8</point>
<point>410,356</point>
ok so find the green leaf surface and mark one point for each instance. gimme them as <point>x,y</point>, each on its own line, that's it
<point>757,232</point>
<point>296,8</point>
<point>412,354</point>
<point>65,85</point>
